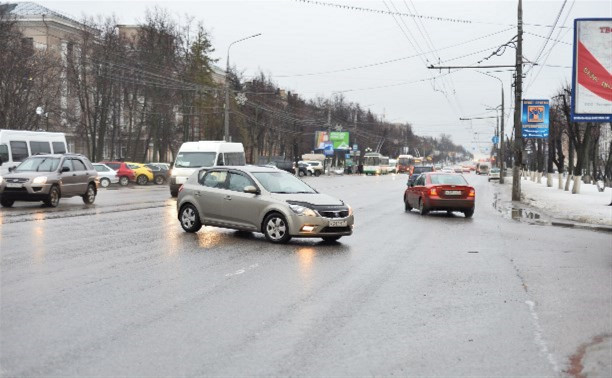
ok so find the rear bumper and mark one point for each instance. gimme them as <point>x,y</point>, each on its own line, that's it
<point>449,204</point>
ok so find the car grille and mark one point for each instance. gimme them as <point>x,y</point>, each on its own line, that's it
<point>16,180</point>
<point>334,214</point>
<point>331,211</point>
<point>15,190</point>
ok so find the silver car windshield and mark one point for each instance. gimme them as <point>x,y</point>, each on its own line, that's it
<point>282,182</point>
<point>195,159</point>
<point>38,164</point>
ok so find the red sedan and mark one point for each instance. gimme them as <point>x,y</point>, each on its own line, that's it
<point>125,173</point>
<point>434,191</point>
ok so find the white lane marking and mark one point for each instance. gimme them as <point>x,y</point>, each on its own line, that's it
<point>539,339</point>
<point>242,270</point>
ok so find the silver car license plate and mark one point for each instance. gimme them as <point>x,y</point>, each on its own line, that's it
<point>13,185</point>
<point>453,192</point>
<point>337,223</point>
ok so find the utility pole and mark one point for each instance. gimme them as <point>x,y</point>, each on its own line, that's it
<point>501,137</point>
<point>518,89</point>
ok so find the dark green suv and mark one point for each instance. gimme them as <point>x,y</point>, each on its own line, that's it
<point>48,178</point>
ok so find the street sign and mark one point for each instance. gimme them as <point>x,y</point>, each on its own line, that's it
<point>495,139</point>
<point>328,149</point>
<point>355,147</point>
<point>535,118</point>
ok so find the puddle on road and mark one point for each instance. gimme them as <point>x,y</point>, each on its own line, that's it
<point>517,212</point>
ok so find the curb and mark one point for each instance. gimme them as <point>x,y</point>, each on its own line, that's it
<point>583,226</point>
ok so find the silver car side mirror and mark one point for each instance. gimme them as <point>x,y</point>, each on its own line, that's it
<point>251,189</point>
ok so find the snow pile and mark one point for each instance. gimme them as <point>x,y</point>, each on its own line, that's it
<point>590,206</point>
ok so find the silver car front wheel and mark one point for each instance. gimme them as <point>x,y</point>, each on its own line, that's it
<point>276,229</point>
<point>190,219</point>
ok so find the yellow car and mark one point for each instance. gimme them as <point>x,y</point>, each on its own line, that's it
<point>143,174</point>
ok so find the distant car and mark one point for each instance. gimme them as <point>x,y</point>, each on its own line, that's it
<point>458,170</point>
<point>48,178</point>
<point>143,174</point>
<point>125,173</point>
<point>161,172</point>
<point>259,199</point>
<point>494,174</point>
<point>465,169</point>
<point>422,169</point>
<point>447,170</point>
<point>106,175</point>
<point>305,169</point>
<point>317,166</point>
<point>440,191</point>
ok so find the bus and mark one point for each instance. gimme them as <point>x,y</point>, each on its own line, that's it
<point>375,164</point>
<point>406,163</point>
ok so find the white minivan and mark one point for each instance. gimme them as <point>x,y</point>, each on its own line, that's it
<point>207,153</point>
<point>18,145</point>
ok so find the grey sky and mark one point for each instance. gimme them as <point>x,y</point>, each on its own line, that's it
<point>301,38</point>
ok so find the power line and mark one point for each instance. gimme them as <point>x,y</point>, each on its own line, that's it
<point>433,18</point>
<point>396,59</point>
<point>379,11</point>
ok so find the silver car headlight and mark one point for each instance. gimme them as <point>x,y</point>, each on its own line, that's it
<point>39,180</point>
<point>301,210</point>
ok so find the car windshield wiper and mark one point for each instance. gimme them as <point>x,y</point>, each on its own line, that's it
<point>304,192</point>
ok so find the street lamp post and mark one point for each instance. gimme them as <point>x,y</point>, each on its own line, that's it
<point>501,145</point>
<point>226,136</point>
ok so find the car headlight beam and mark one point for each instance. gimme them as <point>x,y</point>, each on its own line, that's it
<point>301,210</point>
<point>39,180</point>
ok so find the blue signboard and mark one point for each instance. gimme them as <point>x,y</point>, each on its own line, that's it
<point>495,139</point>
<point>328,148</point>
<point>535,118</point>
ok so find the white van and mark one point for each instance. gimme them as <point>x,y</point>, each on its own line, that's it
<point>17,145</point>
<point>208,153</point>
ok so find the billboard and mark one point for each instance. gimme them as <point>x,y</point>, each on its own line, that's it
<point>535,118</point>
<point>339,139</point>
<point>592,70</point>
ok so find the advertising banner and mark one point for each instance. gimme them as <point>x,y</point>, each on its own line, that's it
<point>535,118</point>
<point>339,140</point>
<point>592,70</point>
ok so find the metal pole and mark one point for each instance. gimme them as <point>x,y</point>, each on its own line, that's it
<point>501,138</point>
<point>518,140</point>
<point>227,104</point>
<point>226,136</point>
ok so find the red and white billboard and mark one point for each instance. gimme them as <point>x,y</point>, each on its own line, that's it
<point>592,76</point>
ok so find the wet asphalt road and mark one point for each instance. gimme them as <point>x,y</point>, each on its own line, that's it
<point>119,289</point>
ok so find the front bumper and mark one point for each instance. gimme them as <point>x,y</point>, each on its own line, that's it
<point>27,192</point>
<point>316,227</point>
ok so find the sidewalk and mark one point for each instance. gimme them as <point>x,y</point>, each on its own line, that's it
<point>590,206</point>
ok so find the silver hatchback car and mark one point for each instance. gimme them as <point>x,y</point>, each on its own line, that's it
<point>260,199</point>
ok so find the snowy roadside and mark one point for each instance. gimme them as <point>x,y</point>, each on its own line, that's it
<point>590,206</point>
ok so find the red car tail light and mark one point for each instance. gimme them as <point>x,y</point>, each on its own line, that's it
<point>472,193</point>
<point>433,192</point>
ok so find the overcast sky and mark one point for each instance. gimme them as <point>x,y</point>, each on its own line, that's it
<point>302,42</point>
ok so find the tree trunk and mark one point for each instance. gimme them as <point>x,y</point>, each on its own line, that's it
<point>570,165</point>
<point>583,153</point>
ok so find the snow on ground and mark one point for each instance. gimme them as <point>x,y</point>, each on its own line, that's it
<point>590,206</point>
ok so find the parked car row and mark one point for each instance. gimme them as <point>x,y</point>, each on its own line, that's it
<point>127,172</point>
